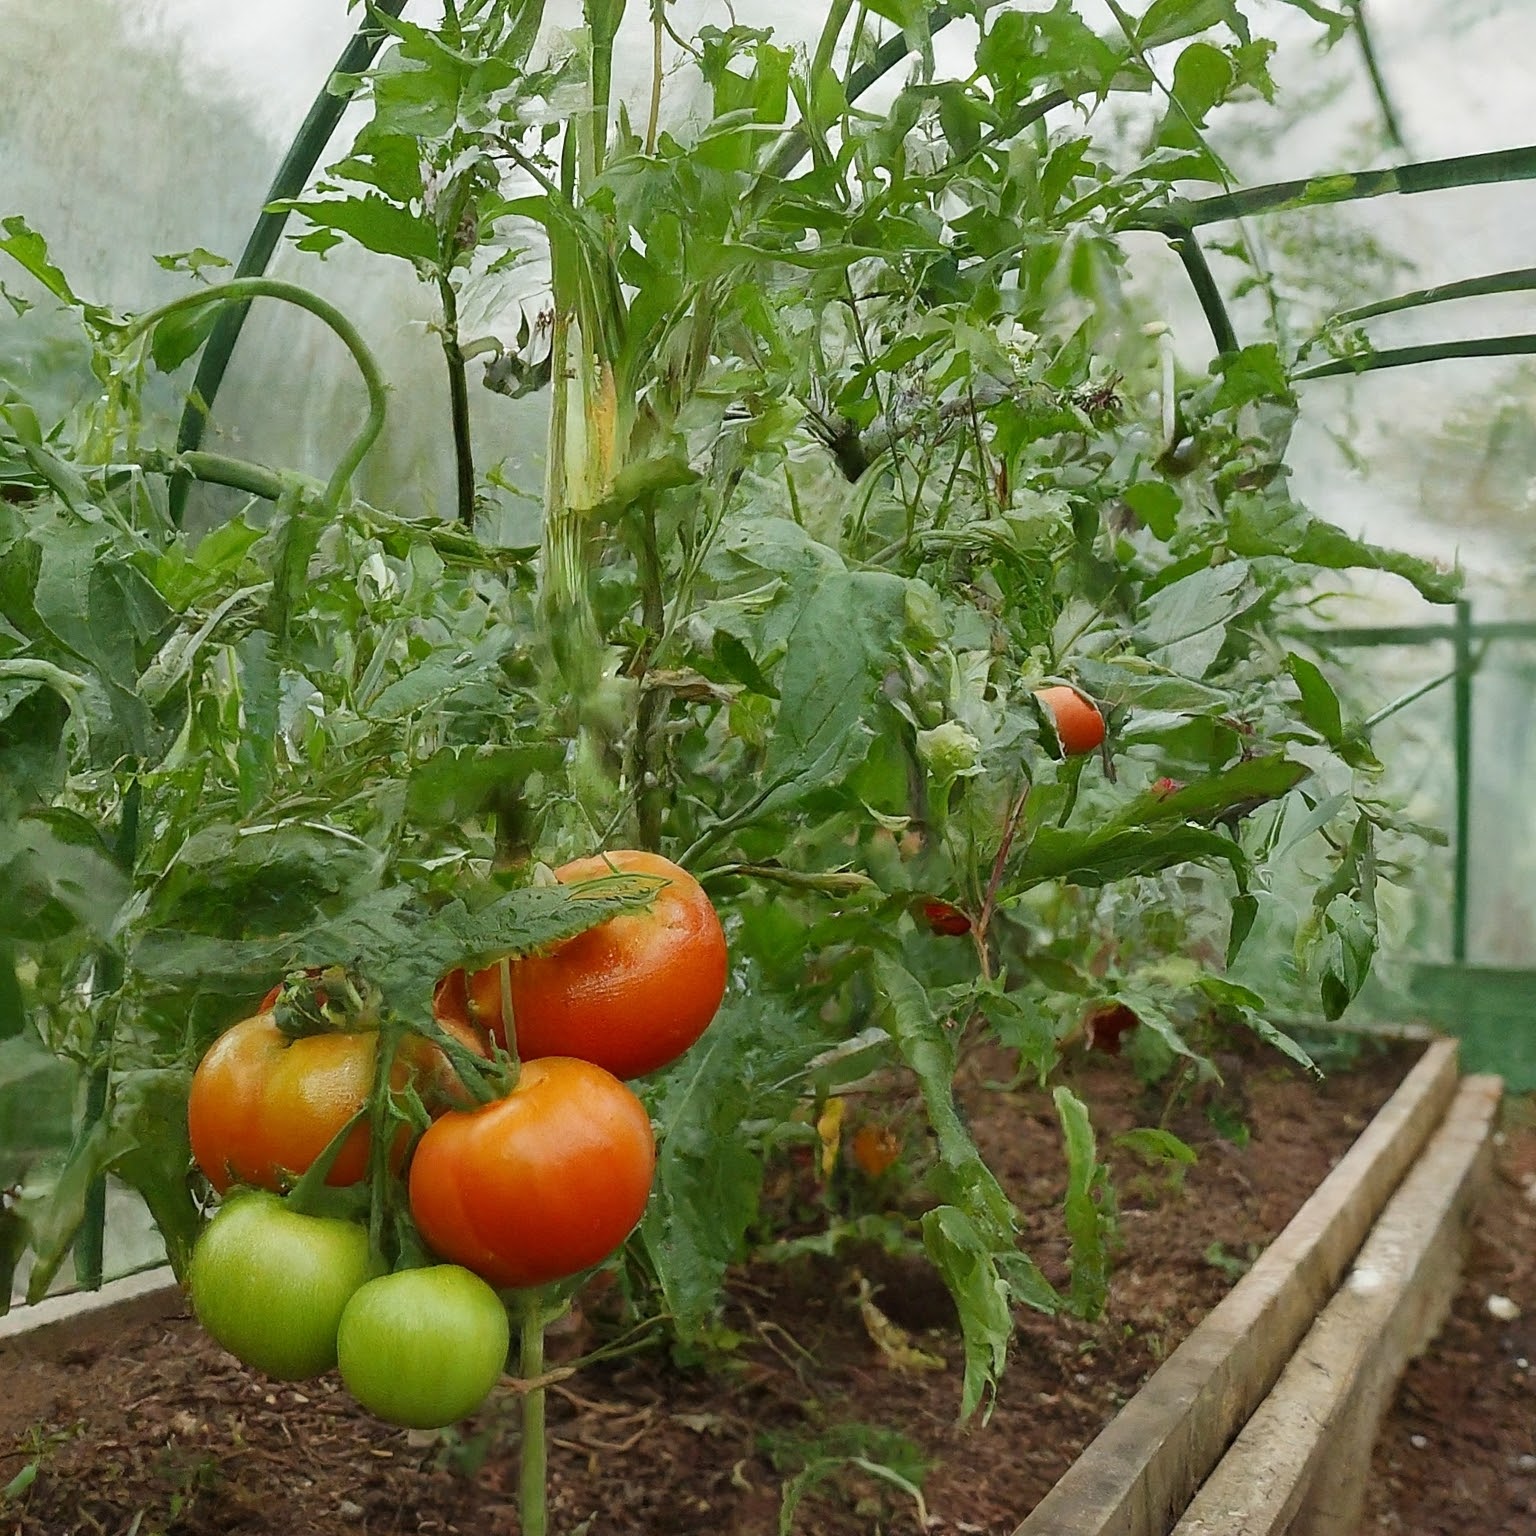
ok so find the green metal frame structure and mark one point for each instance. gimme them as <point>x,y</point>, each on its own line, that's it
<point>1490,1007</point>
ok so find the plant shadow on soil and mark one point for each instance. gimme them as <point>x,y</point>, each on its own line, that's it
<point>158,1431</point>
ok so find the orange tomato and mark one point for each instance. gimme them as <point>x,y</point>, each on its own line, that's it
<point>875,1148</point>
<point>630,995</point>
<point>540,1184</point>
<point>264,1106</point>
<point>1079,721</point>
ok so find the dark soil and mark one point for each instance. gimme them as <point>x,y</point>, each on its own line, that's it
<point>158,1431</point>
<point>1458,1450</point>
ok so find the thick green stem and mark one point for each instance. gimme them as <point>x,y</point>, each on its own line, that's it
<point>242,290</point>
<point>533,1484</point>
<point>651,709</point>
<point>216,469</point>
<point>458,396</point>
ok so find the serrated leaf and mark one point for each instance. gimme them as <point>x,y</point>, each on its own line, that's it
<point>708,1177</point>
<point>458,782</point>
<point>1247,1006</point>
<point>838,651</point>
<point>1319,703</point>
<point>1100,855</point>
<point>1183,626</point>
<point>178,336</point>
<point>1275,526</point>
<point>377,224</point>
<point>1156,503</point>
<point>1167,21</point>
<point>1254,373</point>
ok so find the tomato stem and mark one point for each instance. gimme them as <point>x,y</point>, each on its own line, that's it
<point>533,1484</point>
<point>509,1020</point>
<point>380,1132</point>
<point>485,1080</point>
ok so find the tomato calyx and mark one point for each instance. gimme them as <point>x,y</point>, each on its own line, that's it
<point>320,1000</point>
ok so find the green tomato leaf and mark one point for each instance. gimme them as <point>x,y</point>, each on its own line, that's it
<point>1088,1206</point>
<point>1261,526</point>
<point>378,225</point>
<point>708,1175</point>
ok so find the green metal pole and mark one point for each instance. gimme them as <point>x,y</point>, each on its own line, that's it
<point>1463,709</point>
<point>292,175</point>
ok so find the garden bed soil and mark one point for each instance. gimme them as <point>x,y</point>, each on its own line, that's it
<point>159,1431</point>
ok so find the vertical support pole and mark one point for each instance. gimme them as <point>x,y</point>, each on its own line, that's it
<point>1463,712</point>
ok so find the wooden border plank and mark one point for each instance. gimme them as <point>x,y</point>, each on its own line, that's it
<point>1298,1462</point>
<point>48,1328</point>
<point>1141,1472</point>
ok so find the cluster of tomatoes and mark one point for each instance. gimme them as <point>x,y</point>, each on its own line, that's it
<point>535,1185</point>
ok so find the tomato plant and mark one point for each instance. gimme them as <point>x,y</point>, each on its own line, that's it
<point>423,1347</point>
<point>855,438</point>
<point>631,994</point>
<point>271,1284</point>
<point>538,1185</point>
<point>264,1104</point>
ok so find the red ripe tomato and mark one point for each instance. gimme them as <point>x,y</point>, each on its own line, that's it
<point>540,1184</point>
<point>264,1106</point>
<point>630,995</point>
<point>1079,722</point>
<point>945,918</point>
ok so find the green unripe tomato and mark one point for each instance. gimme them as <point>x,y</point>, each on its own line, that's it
<point>423,1347</point>
<point>270,1285</point>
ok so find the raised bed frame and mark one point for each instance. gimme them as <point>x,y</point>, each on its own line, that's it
<point>1262,1421</point>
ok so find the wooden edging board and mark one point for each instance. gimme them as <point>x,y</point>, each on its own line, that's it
<point>1140,1473</point>
<point>1299,1462</point>
<point>49,1328</point>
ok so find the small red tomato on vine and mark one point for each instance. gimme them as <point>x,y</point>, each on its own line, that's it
<point>631,994</point>
<point>945,918</point>
<point>540,1184</point>
<point>1164,787</point>
<point>1106,1024</point>
<point>1078,720</point>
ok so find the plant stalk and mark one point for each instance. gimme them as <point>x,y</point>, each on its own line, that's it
<point>242,290</point>
<point>533,1482</point>
<point>458,397</point>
